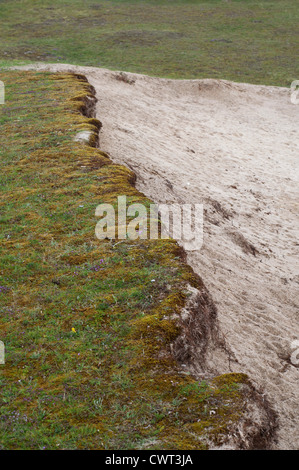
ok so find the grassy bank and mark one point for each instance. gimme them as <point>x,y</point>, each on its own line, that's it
<point>240,40</point>
<point>87,324</point>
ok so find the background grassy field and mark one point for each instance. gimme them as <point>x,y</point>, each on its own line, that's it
<point>241,40</point>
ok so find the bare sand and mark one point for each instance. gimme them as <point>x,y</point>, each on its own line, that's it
<point>234,148</point>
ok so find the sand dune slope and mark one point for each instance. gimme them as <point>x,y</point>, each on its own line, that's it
<point>234,148</point>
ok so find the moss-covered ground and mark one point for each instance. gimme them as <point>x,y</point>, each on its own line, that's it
<point>86,322</point>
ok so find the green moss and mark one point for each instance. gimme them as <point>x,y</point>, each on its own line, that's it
<point>226,381</point>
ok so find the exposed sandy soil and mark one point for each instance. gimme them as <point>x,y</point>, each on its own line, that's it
<point>234,148</point>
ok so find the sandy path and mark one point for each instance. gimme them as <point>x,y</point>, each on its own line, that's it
<point>234,148</point>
